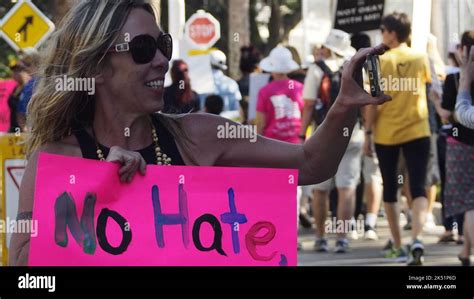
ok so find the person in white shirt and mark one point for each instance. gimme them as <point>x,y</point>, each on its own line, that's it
<point>320,88</point>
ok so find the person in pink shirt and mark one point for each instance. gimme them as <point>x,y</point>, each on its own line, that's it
<point>280,102</point>
<point>6,89</point>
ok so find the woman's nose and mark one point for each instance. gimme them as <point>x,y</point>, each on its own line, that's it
<point>160,61</point>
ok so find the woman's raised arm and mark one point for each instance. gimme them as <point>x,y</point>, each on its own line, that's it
<point>317,159</point>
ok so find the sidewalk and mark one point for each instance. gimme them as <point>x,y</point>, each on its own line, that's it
<point>368,253</point>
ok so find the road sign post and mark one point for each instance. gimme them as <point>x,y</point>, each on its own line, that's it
<point>25,26</point>
<point>12,167</point>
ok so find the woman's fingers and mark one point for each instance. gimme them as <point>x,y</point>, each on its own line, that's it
<point>130,171</point>
<point>130,168</point>
<point>127,166</point>
<point>130,163</point>
<point>378,100</point>
<point>468,66</point>
<point>142,166</point>
<point>352,93</point>
<point>116,154</point>
<point>467,58</point>
<point>354,67</point>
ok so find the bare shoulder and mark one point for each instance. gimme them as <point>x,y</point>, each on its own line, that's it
<point>66,147</point>
<point>201,125</point>
<point>202,130</point>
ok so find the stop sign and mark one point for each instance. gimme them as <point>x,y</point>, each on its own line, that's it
<point>202,30</point>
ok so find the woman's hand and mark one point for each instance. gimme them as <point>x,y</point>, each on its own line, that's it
<point>352,94</point>
<point>130,162</point>
<point>464,108</point>
<point>467,70</point>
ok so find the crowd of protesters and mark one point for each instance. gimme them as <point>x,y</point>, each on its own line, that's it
<point>425,134</point>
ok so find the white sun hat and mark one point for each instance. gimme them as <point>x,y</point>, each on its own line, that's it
<point>279,61</point>
<point>339,42</point>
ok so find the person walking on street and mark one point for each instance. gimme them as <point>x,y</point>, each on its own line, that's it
<point>22,77</point>
<point>370,164</point>
<point>280,102</point>
<point>226,87</point>
<point>323,83</point>
<point>31,58</point>
<point>464,167</point>
<point>402,125</point>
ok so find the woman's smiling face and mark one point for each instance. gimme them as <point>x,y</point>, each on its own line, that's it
<point>138,88</point>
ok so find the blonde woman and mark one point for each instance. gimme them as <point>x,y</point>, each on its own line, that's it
<point>119,44</point>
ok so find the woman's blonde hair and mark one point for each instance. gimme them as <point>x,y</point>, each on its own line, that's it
<point>76,49</point>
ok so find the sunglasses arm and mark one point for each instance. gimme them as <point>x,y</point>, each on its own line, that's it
<point>123,47</point>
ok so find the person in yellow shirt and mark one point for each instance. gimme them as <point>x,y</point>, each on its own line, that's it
<point>402,125</point>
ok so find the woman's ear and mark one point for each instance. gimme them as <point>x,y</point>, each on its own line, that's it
<point>99,78</point>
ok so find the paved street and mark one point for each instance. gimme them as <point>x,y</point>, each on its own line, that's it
<point>368,253</point>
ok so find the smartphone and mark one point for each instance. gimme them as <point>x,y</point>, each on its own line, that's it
<point>372,67</point>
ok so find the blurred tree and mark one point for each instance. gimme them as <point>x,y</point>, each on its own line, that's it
<point>238,34</point>
<point>284,16</point>
<point>255,37</point>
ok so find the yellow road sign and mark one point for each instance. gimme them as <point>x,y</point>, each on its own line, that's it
<point>25,26</point>
<point>12,166</point>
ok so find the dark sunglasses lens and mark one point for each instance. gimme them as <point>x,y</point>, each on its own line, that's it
<point>143,48</point>
<point>165,44</point>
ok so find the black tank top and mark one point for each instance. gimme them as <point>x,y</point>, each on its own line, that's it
<point>166,141</point>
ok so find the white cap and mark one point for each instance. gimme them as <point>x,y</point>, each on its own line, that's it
<point>218,59</point>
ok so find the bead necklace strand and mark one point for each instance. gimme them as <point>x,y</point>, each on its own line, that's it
<point>161,158</point>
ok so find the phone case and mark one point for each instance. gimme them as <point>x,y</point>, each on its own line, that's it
<point>372,66</point>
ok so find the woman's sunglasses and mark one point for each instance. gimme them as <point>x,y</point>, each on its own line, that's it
<point>143,47</point>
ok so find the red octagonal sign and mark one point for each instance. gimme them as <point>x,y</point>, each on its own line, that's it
<point>202,30</point>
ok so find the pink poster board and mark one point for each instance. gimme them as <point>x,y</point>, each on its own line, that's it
<point>6,88</point>
<point>172,216</point>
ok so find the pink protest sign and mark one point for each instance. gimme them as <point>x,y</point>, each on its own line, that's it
<point>172,216</point>
<point>6,88</point>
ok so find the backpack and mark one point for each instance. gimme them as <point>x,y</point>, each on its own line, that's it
<point>328,91</point>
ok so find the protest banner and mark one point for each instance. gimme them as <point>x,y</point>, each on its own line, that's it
<point>257,81</point>
<point>6,89</point>
<point>356,16</point>
<point>172,216</point>
<point>12,165</point>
